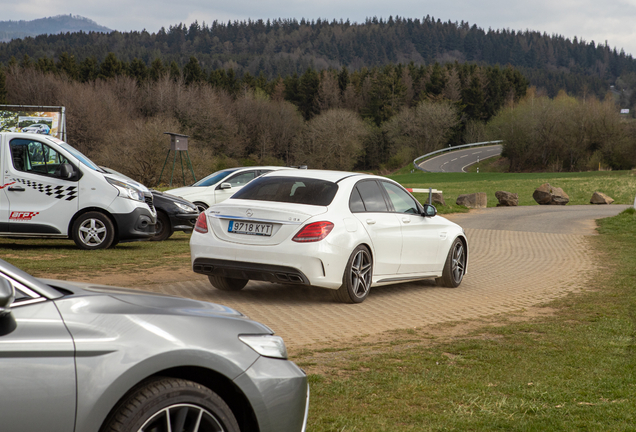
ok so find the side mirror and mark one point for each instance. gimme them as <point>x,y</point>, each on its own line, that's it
<point>7,295</point>
<point>67,171</point>
<point>225,186</point>
<point>429,210</point>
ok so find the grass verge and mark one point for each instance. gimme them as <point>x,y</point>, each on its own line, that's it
<point>571,368</point>
<point>619,185</point>
<point>61,258</point>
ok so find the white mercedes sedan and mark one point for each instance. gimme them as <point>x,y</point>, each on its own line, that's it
<point>338,230</point>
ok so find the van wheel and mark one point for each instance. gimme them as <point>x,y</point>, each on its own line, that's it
<point>163,229</point>
<point>169,404</point>
<point>93,230</point>
<point>227,284</point>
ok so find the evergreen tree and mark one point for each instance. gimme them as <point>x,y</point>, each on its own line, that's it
<point>138,70</point>
<point>110,67</point>
<point>192,72</point>
<point>88,69</point>
<point>3,87</point>
<point>175,72</point>
<point>66,64</point>
<point>157,69</point>
<point>307,92</point>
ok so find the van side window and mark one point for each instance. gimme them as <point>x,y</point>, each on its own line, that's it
<point>35,157</point>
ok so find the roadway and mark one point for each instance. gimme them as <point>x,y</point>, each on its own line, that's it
<point>519,257</point>
<point>457,160</point>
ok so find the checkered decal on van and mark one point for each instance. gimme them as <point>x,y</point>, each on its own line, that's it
<point>68,193</point>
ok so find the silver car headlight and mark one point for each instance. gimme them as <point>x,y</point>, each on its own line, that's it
<point>126,190</point>
<point>266,345</point>
<point>186,208</point>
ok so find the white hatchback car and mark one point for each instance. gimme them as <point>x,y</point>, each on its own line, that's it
<point>220,185</point>
<point>337,230</point>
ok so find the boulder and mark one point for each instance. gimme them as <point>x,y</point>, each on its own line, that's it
<point>507,199</point>
<point>549,195</point>
<point>438,198</point>
<point>474,200</point>
<point>600,198</point>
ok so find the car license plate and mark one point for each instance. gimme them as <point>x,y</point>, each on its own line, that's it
<point>250,228</point>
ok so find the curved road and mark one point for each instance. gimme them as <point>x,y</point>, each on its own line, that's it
<point>519,257</point>
<point>457,160</point>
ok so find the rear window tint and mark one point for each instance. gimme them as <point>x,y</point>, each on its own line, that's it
<point>295,190</point>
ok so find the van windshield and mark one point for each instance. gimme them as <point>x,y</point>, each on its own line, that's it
<point>86,161</point>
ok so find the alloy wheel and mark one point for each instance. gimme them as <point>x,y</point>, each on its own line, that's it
<point>182,418</point>
<point>458,264</point>
<point>361,274</point>
<point>92,232</point>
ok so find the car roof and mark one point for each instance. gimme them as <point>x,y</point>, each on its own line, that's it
<point>332,176</point>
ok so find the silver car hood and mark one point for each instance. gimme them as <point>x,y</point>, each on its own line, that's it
<point>145,301</point>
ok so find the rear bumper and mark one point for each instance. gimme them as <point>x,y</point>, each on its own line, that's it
<point>248,270</point>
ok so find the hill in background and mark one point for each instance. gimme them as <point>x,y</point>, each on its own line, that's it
<point>52,25</point>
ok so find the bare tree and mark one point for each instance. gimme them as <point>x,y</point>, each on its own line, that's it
<point>332,140</point>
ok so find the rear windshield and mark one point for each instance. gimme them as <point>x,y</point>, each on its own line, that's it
<point>295,190</point>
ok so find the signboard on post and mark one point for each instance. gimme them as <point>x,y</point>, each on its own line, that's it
<point>45,120</point>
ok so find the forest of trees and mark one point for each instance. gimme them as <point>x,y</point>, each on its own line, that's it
<point>378,118</point>
<point>311,112</point>
<point>286,46</point>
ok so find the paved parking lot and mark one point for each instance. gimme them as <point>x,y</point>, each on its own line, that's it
<point>509,269</point>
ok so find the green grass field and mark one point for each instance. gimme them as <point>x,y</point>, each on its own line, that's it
<point>620,185</point>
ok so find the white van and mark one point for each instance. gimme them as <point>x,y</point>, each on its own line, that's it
<point>48,189</point>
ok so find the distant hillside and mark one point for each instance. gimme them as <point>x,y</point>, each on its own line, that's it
<point>283,47</point>
<point>53,25</point>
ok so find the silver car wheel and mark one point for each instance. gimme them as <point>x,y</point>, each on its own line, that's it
<point>360,274</point>
<point>182,417</point>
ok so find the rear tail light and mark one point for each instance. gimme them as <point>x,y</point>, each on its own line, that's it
<point>202,224</point>
<point>313,232</point>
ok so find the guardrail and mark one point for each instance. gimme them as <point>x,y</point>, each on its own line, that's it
<point>479,144</point>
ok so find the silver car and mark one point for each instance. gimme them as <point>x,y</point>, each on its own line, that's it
<point>78,357</point>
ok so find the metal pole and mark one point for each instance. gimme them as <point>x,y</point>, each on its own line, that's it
<point>174,161</point>
<point>430,196</point>
<point>182,172</point>
<point>162,168</point>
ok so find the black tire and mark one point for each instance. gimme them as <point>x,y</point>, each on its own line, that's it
<point>93,230</point>
<point>201,206</point>
<point>148,407</point>
<point>163,227</point>
<point>454,267</point>
<point>356,281</point>
<point>227,284</point>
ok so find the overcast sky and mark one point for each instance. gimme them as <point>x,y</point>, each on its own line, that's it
<point>612,21</point>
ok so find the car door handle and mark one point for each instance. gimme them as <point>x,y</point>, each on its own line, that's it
<point>406,219</point>
<point>370,221</point>
<point>16,188</point>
